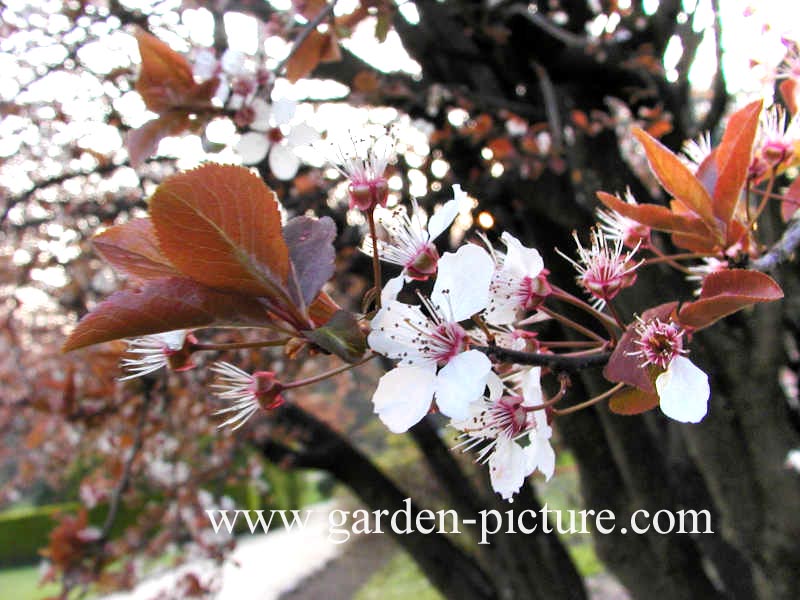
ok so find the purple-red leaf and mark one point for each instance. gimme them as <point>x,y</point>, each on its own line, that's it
<point>726,292</point>
<point>657,217</point>
<point>677,179</point>
<point>732,158</point>
<point>310,243</point>
<point>625,368</point>
<point>219,225</point>
<point>143,142</point>
<point>164,305</point>
<point>132,248</point>
<point>632,401</point>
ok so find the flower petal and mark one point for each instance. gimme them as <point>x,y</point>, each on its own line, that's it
<point>302,135</point>
<point>391,289</point>
<point>395,329</point>
<point>462,381</point>
<point>521,261</point>
<point>252,147</point>
<point>532,387</point>
<point>283,162</point>
<point>262,115</point>
<point>462,284</point>
<point>507,467</point>
<point>404,396</point>
<point>442,219</point>
<point>172,339</point>
<point>540,455</point>
<point>283,110</point>
<point>683,391</point>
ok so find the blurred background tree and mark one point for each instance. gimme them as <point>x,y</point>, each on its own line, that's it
<point>528,106</point>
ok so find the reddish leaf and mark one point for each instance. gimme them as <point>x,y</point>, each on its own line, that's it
<point>310,243</point>
<point>220,225</point>
<point>694,243</point>
<point>316,48</point>
<point>657,217</point>
<point>677,179</point>
<point>166,76</point>
<point>733,157</point>
<point>341,336</point>
<point>726,292</point>
<point>143,142</point>
<point>789,89</point>
<point>164,305</point>
<point>132,248</point>
<point>792,200</point>
<point>632,401</point>
<point>322,309</point>
<point>622,367</point>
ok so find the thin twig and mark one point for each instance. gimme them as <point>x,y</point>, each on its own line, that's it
<point>307,29</point>
<point>781,252</point>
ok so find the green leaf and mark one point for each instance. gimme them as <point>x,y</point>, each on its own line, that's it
<point>341,336</point>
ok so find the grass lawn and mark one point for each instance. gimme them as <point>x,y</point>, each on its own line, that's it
<point>22,583</point>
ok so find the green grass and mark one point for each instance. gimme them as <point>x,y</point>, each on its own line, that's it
<point>22,583</point>
<point>399,579</point>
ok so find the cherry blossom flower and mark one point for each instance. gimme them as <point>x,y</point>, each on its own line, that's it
<point>603,270</point>
<point>410,244</point>
<point>497,425</point>
<point>434,359</point>
<point>157,351</point>
<point>246,392</point>
<point>790,66</point>
<point>709,265</point>
<point>277,134</point>
<point>695,151</point>
<point>363,161</point>
<point>518,282</point>
<point>618,227</point>
<point>775,145</point>
<point>682,387</point>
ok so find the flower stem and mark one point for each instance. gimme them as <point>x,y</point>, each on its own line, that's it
<point>322,376</point>
<point>764,199</point>
<point>572,324</point>
<point>241,345</point>
<point>376,259</point>
<point>589,402</point>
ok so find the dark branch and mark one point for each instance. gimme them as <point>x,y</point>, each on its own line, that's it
<point>558,362</point>
<point>781,252</point>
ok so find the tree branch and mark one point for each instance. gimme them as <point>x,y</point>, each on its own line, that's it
<point>781,252</point>
<point>558,362</point>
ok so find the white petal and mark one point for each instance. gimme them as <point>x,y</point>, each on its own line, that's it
<point>540,455</point>
<point>232,62</point>
<point>442,219</point>
<point>302,135</point>
<point>205,65</point>
<point>394,329</point>
<point>391,289</point>
<point>252,147</point>
<point>465,277</point>
<point>283,110</point>
<point>532,387</point>
<point>459,195</point>
<point>495,385</point>
<point>263,114</point>
<point>172,339</point>
<point>403,397</point>
<point>462,381</point>
<point>507,468</point>
<point>683,391</point>
<point>283,162</point>
<point>521,261</point>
